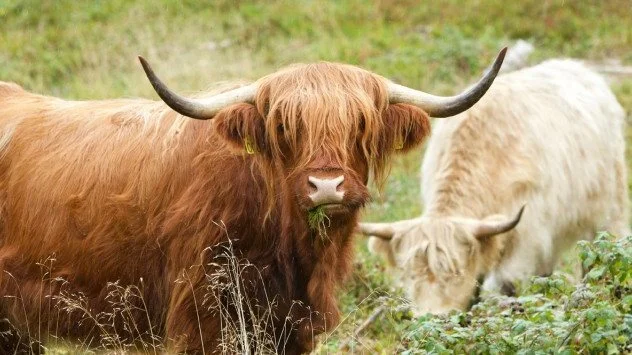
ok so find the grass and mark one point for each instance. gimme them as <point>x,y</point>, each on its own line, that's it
<point>552,314</point>
<point>318,221</point>
<point>87,50</point>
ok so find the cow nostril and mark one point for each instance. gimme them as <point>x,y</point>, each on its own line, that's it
<point>339,186</point>
<point>312,185</point>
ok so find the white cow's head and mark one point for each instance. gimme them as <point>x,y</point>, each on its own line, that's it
<point>440,259</point>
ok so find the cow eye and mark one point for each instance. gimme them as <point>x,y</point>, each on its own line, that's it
<point>280,128</point>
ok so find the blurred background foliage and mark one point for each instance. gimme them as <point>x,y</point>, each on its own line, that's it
<point>88,49</point>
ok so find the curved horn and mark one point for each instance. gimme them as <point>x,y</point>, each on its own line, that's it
<point>201,109</point>
<point>488,229</point>
<point>441,106</point>
<point>386,230</point>
<point>380,230</point>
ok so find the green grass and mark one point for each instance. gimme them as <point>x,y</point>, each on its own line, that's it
<point>87,50</point>
<point>318,221</point>
<point>552,314</point>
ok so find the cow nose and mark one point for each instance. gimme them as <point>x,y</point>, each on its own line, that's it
<point>326,190</point>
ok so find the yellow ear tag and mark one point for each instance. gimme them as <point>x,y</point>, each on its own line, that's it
<point>399,143</point>
<point>249,145</point>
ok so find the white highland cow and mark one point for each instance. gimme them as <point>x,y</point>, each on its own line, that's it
<point>549,138</point>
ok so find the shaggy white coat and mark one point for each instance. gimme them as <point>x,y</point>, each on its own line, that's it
<point>551,137</point>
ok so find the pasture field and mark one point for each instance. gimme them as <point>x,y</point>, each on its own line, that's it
<point>87,50</point>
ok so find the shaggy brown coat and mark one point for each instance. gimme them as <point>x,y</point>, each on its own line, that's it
<point>128,191</point>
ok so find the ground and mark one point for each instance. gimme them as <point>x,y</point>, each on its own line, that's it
<point>87,50</point>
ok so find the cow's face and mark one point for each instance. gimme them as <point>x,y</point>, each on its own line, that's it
<point>440,259</point>
<point>438,264</point>
<point>321,129</point>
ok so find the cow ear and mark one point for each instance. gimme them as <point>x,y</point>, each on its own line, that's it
<point>242,127</point>
<point>406,126</point>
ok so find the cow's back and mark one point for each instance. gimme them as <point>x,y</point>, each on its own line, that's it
<point>7,124</point>
<point>77,173</point>
<point>83,188</point>
<point>549,136</point>
<point>126,191</point>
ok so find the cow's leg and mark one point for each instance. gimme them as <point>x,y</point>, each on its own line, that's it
<point>508,289</point>
<point>191,327</point>
<point>15,337</point>
<point>495,282</point>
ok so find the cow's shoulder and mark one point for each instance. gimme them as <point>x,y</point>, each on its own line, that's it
<point>8,88</point>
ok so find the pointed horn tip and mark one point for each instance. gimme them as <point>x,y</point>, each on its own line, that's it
<point>469,98</point>
<point>500,58</point>
<point>145,64</point>
<point>520,212</point>
<point>516,220</point>
<point>495,69</point>
<point>502,52</point>
<point>484,232</point>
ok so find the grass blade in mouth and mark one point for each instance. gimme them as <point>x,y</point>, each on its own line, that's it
<point>318,221</point>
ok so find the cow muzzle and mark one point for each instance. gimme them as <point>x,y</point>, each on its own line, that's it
<point>327,192</point>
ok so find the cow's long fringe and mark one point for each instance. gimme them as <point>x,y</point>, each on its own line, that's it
<point>323,108</point>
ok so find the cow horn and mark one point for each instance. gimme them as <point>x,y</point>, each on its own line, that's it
<point>201,109</point>
<point>441,106</point>
<point>380,230</point>
<point>386,230</point>
<point>488,229</point>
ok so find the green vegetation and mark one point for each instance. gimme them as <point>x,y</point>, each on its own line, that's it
<point>552,314</point>
<point>87,50</point>
<point>318,221</point>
